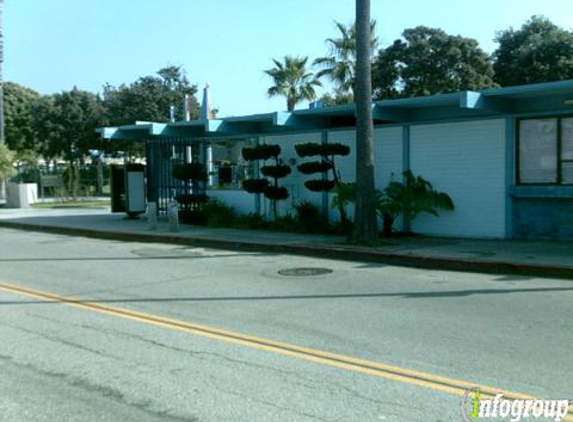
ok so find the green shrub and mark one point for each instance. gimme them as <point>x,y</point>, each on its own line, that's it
<point>6,162</point>
<point>196,217</point>
<point>314,167</point>
<point>276,172</point>
<point>320,185</point>
<point>286,223</point>
<point>261,152</point>
<point>194,172</point>
<point>309,218</point>
<point>413,196</point>
<point>336,149</point>
<point>252,221</point>
<point>219,214</point>
<point>276,193</point>
<point>255,185</point>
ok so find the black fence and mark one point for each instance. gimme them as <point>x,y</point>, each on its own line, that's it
<point>162,156</point>
<point>67,181</point>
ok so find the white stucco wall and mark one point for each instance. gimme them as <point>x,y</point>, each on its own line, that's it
<point>242,201</point>
<point>467,161</point>
<point>388,161</point>
<point>387,155</point>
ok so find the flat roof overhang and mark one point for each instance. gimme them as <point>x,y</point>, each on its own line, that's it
<point>489,102</point>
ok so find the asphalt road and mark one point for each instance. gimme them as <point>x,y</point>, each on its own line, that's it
<point>100,361</point>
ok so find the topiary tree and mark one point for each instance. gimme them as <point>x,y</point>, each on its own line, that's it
<point>327,154</point>
<point>269,188</point>
<point>191,201</point>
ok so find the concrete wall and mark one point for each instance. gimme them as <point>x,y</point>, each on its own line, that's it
<point>543,218</point>
<point>542,212</point>
<point>467,161</point>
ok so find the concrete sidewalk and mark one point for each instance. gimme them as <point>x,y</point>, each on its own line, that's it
<point>535,258</point>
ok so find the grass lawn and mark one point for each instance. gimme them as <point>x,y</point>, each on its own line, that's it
<point>72,204</point>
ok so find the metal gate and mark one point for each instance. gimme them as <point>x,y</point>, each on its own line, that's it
<point>162,156</point>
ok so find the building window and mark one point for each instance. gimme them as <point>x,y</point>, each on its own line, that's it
<point>545,151</point>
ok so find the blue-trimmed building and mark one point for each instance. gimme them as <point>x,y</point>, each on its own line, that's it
<point>504,155</point>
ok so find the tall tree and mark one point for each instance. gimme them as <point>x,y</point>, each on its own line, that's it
<point>19,117</point>
<point>429,61</point>
<point>150,98</point>
<point>7,158</point>
<point>539,51</point>
<point>365,221</point>
<point>340,64</point>
<point>292,80</point>
<point>67,123</point>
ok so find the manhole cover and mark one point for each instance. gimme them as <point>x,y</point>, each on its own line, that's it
<point>304,272</point>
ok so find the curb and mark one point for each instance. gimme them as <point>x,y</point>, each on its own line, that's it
<point>332,252</point>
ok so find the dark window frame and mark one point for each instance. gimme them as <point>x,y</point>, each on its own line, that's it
<point>559,159</point>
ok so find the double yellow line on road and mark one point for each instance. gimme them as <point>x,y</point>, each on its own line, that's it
<point>422,379</point>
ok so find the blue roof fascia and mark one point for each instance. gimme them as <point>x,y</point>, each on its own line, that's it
<point>252,118</point>
<point>340,110</point>
<point>291,120</point>
<point>532,90</point>
<point>106,132</point>
<point>121,133</point>
<point>485,102</point>
<point>390,114</point>
<point>421,102</point>
<point>478,101</point>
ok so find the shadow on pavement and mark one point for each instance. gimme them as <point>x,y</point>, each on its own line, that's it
<point>132,258</point>
<point>406,295</point>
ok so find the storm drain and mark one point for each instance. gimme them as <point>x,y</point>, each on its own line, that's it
<point>304,271</point>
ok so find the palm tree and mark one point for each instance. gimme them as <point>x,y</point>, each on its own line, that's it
<point>292,80</point>
<point>340,65</point>
<point>365,221</point>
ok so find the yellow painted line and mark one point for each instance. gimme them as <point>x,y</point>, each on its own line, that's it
<point>408,376</point>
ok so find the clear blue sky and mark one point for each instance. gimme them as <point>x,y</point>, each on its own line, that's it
<point>52,45</point>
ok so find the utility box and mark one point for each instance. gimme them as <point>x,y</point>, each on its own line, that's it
<point>21,195</point>
<point>135,189</point>
<point>128,189</point>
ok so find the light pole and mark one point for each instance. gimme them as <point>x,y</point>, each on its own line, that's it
<point>2,182</point>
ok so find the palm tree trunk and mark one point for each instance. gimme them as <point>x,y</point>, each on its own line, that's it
<point>365,221</point>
